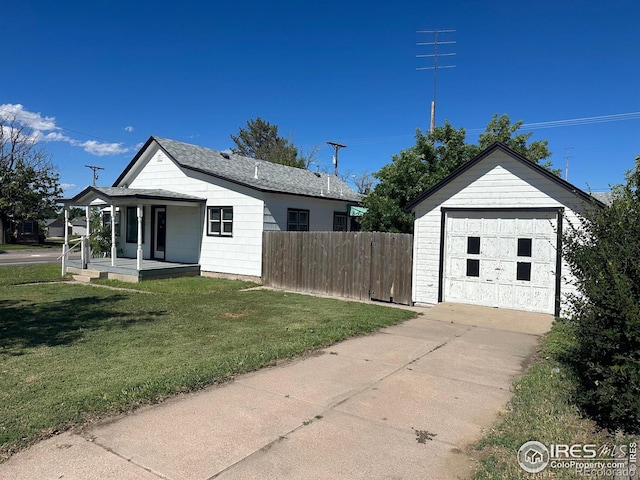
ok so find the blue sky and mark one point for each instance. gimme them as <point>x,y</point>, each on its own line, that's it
<point>98,78</point>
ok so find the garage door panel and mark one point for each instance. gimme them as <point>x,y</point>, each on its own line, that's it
<point>488,269</point>
<point>525,226</point>
<point>507,226</point>
<point>542,275</point>
<point>457,268</point>
<point>457,245</point>
<point>516,259</point>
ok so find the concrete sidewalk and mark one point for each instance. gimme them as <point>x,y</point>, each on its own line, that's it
<point>402,403</point>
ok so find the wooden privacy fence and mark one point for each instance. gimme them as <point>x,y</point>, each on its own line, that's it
<point>362,265</point>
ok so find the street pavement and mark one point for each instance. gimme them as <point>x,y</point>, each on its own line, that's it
<point>19,257</point>
<point>403,403</point>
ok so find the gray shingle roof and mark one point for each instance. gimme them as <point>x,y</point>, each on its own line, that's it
<point>150,193</point>
<point>271,177</point>
<point>131,193</point>
<point>604,197</point>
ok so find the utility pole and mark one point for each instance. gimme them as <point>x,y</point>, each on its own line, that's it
<point>566,163</point>
<point>95,172</point>
<point>435,66</point>
<point>337,146</point>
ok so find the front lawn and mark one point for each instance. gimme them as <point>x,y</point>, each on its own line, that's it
<point>70,353</point>
<point>5,247</point>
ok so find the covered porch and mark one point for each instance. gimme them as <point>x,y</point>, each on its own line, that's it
<point>138,234</point>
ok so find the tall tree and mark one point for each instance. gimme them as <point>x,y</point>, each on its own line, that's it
<point>411,172</point>
<point>500,129</point>
<point>28,179</point>
<point>433,157</point>
<point>259,139</point>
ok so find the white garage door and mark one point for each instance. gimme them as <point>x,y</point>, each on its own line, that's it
<point>501,259</point>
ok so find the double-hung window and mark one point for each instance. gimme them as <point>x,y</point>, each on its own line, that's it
<point>297,220</point>
<point>220,221</point>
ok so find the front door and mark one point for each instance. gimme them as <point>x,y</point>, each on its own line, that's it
<point>160,233</point>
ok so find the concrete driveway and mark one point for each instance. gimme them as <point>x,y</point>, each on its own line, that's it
<point>403,403</point>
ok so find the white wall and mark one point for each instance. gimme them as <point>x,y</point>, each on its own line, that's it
<point>320,211</point>
<point>496,181</point>
<point>240,254</point>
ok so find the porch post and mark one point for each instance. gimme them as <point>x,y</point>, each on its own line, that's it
<point>65,246</point>
<point>87,252</point>
<point>114,248</point>
<point>139,251</point>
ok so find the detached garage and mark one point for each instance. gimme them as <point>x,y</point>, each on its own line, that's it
<point>491,233</point>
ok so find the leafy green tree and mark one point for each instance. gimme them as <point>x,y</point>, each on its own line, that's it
<point>260,140</point>
<point>500,129</point>
<point>433,157</point>
<point>100,238</point>
<point>28,179</point>
<point>411,172</point>
<point>603,254</point>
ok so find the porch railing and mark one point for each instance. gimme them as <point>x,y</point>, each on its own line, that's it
<point>83,242</point>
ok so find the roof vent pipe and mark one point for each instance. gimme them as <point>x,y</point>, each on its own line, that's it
<point>255,175</point>
<point>328,184</point>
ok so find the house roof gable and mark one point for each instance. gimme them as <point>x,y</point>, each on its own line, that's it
<point>249,172</point>
<point>497,146</point>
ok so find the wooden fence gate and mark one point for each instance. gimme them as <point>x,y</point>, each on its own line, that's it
<point>362,265</point>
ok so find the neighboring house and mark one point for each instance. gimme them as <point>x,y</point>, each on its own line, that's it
<point>490,234</point>
<point>195,205</point>
<point>54,227</point>
<point>78,226</point>
<point>21,231</point>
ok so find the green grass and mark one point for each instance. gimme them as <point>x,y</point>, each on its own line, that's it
<point>71,353</point>
<point>541,409</point>
<point>30,273</point>
<point>6,247</point>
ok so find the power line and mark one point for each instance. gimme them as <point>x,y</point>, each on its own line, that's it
<point>525,126</point>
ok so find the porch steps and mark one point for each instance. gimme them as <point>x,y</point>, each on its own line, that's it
<point>89,275</point>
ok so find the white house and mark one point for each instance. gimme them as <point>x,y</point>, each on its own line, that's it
<point>491,234</point>
<point>183,203</point>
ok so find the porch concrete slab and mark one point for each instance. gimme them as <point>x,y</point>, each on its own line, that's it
<point>452,409</point>
<point>340,446</point>
<point>70,457</point>
<point>392,349</point>
<point>200,435</point>
<point>322,380</point>
<point>494,318</point>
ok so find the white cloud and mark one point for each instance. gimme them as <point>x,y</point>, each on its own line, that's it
<point>41,125</point>
<point>100,149</point>
<point>32,120</point>
<point>67,186</point>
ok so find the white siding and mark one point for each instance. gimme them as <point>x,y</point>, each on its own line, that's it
<point>240,254</point>
<point>320,211</point>
<point>497,181</point>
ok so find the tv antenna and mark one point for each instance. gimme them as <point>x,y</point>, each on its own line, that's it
<point>337,146</point>
<point>95,172</point>
<point>435,67</point>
